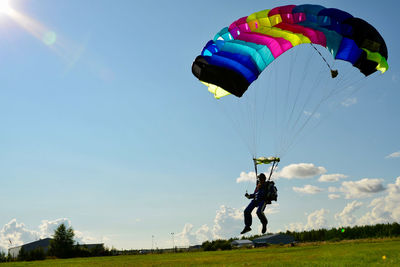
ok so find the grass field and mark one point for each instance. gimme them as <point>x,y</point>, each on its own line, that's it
<point>375,252</point>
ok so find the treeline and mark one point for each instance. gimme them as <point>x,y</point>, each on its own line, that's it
<point>74,252</point>
<point>219,244</point>
<point>3,257</point>
<point>346,233</point>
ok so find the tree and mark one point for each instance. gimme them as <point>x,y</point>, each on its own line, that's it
<point>36,254</point>
<point>62,244</point>
<point>218,244</point>
<point>3,257</point>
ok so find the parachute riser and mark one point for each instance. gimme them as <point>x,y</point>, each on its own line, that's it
<point>334,73</point>
<point>274,165</point>
<point>255,166</point>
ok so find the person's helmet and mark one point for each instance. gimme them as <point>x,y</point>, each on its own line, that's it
<point>262,176</point>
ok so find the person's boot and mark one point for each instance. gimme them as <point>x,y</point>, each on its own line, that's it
<point>245,230</point>
<point>264,228</point>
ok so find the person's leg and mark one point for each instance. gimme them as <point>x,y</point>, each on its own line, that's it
<point>247,213</point>
<point>260,213</point>
<point>247,217</point>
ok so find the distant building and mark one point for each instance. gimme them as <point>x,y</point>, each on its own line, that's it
<point>194,247</point>
<point>91,246</point>
<point>273,239</point>
<point>44,244</point>
<point>242,243</point>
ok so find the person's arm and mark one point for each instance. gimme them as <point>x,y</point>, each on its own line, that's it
<point>249,196</point>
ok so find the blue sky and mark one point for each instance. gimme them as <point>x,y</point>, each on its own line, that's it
<point>105,128</point>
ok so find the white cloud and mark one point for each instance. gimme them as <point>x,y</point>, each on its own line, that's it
<point>349,101</point>
<point>189,237</point>
<point>307,189</point>
<point>346,216</point>
<point>272,209</point>
<point>15,234</point>
<point>333,196</point>
<point>19,234</point>
<point>362,188</point>
<point>377,214</point>
<point>393,199</point>
<point>301,171</point>
<point>295,227</point>
<point>47,228</point>
<point>385,209</point>
<point>203,233</point>
<point>185,237</point>
<point>393,155</point>
<point>87,238</point>
<point>228,222</point>
<point>333,189</point>
<point>315,220</point>
<point>246,177</point>
<point>332,177</point>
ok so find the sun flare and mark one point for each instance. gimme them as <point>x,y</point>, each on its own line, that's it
<point>5,6</point>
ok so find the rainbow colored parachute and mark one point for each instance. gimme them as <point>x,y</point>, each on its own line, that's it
<point>238,54</point>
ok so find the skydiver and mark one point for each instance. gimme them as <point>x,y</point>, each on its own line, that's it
<point>259,201</point>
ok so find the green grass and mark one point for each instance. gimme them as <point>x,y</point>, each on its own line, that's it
<point>345,253</point>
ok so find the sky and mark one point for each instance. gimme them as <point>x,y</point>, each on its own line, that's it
<point>104,128</point>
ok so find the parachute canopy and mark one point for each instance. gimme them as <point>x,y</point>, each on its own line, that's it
<point>238,54</point>
<point>264,160</point>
